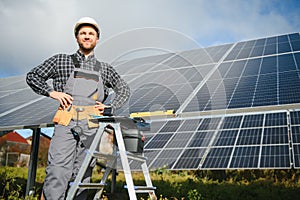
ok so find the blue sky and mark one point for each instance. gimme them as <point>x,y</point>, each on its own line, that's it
<point>32,31</point>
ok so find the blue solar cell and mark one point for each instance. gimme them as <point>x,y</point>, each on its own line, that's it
<point>250,136</point>
<point>266,90</point>
<point>296,155</point>
<point>295,45</point>
<point>236,69</point>
<point>217,158</point>
<point>201,139</point>
<point>190,125</point>
<point>244,53</point>
<point>171,126</point>
<point>275,157</point>
<point>269,65</point>
<point>276,119</point>
<point>209,124</point>
<point>295,134</point>
<point>295,117</point>
<point>283,38</point>
<point>166,158</point>
<point>253,121</point>
<point>284,47</point>
<point>245,157</point>
<point>260,42</point>
<point>294,36</point>
<point>158,141</point>
<point>270,49</point>
<point>231,122</point>
<point>179,140</point>
<point>244,92</point>
<point>286,63</point>
<point>297,58</point>
<point>252,67</point>
<point>257,51</point>
<point>190,159</point>
<point>271,40</point>
<point>276,135</point>
<point>289,90</point>
<point>223,68</point>
<point>225,138</point>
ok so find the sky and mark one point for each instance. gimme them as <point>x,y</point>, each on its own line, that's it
<point>32,31</point>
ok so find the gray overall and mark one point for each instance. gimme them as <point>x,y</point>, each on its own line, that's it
<point>66,154</point>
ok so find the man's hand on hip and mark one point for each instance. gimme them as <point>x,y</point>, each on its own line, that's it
<point>64,99</point>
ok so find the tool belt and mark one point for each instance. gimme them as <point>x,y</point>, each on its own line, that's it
<point>64,116</point>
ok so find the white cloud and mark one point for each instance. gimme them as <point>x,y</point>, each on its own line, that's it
<point>31,31</point>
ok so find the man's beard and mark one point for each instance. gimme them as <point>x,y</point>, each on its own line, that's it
<point>87,49</point>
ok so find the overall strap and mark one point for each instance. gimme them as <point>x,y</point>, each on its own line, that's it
<point>75,61</point>
<point>97,66</point>
<point>77,65</point>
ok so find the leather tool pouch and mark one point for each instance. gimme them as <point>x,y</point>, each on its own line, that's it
<point>62,117</point>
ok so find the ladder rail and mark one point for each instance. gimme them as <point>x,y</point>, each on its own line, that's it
<point>122,155</point>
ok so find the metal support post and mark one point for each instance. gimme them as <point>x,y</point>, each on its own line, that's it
<point>33,162</point>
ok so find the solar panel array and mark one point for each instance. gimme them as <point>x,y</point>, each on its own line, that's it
<point>249,141</point>
<point>237,105</point>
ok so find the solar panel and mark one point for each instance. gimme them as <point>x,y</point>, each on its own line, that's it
<point>237,105</point>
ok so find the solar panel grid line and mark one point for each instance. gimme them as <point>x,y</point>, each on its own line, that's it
<point>210,143</point>
<point>21,106</point>
<point>296,156</point>
<point>12,83</point>
<point>262,139</point>
<point>237,85</point>
<point>189,159</point>
<point>267,158</point>
<point>151,100</point>
<point>245,157</point>
<point>240,51</point>
<point>276,156</point>
<point>235,143</point>
<point>148,70</point>
<point>217,159</point>
<point>259,69</point>
<point>161,130</point>
<point>188,142</point>
<point>156,131</point>
<point>213,89</point>
<point>197,89</point>
<point>290,139</point>
<point>179,140</point>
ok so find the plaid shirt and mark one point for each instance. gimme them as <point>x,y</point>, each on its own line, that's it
<point>59,67</point>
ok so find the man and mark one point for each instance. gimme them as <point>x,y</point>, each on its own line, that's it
<point>80,84</point>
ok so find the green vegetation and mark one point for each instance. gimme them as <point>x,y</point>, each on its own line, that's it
<point>179,185</point>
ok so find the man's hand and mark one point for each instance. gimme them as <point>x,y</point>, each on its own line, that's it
<point>64,99</point>
<point>100,106</point>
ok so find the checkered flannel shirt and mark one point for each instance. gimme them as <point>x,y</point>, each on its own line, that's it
<point>59,67</point>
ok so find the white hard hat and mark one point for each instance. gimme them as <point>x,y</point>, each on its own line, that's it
<point>89,21</point>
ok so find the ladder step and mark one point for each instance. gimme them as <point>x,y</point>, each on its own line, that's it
<point>142,189</point>
<point>90,185</point>
<point>136,157</point>
<point>104,156</point>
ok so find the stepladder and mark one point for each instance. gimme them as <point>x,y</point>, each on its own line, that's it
<point>119,154</point>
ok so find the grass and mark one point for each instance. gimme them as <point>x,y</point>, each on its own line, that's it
<point>178,185</point>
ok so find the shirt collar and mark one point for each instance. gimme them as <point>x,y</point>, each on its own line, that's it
<point>83,57</point>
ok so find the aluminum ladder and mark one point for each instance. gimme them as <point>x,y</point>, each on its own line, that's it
<point>111,159</point>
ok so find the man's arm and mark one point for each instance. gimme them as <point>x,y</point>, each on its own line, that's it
<point>38,76</point>
<point>119,86</point>
<point>37,80</point>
